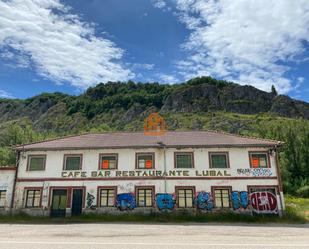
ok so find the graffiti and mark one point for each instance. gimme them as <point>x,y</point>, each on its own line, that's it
<point>165,201</point>
<point>264,202</point>
<point>90,199</point>
<point>204,201</point>
<point>125,201</point>
<point>239,200</point>
<point>154,125</point>
<point>244,199</point>
<point>255,172</point>
<point>127,187</point>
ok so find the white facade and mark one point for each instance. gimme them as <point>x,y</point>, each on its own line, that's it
<point>239,180</point>
<point>7,176</point>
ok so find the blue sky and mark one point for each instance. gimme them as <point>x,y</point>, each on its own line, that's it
<point>69,45</point>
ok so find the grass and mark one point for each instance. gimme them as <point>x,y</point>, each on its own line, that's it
<point>290,217</point>
<point>299,205</point>
<point>297,212</point>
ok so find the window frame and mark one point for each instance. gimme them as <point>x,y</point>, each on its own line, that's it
<point>251,187</point>
<point>26,190</point>
<point>107,154</point>
<point>250,153</point>
<point>36,155</point>
<point>152,188</point>
<point>176,153</point>
<point>5,196</point>
<point>137,154</point>
<point>99,195</point>
<point>65,156</point>
<point>229,188</point>
<point>226,153</point>
<point>177,188</point>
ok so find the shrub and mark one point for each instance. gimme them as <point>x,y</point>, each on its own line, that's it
<point>303,191</point>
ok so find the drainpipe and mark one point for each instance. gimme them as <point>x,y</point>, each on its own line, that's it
<point>279,180</point>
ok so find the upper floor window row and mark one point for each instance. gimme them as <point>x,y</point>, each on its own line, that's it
<point>182,160</point>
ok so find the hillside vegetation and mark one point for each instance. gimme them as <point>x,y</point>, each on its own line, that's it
<point>199,104</point>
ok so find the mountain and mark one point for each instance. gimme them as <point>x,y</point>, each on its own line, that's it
<point>120,103</point>
<point>201,103</point>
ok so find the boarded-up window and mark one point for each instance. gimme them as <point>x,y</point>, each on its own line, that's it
<point>145,161</point>
<point>107,197</point>
<point>185,198</point>
<point>108,161</point>
<point>33,198</point>
<point>144,197</point>
<point>259,160</point>
<point>222,198</point>
<point>2,198</point>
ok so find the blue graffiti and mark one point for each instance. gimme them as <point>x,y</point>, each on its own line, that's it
<point>125,201</point>
<point>165,201</point>
<point>204,201</point>
<point>244,199</point>
<point>239,199</point>
<point>235,200</point>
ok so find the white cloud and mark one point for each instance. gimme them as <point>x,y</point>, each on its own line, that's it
<point>167,78</point>
<point>6,95</point>
<point>246,41</point>
<point>61,46</point>
<point>160,4</point>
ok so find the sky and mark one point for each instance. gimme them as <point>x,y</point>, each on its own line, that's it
<point>70,45</point>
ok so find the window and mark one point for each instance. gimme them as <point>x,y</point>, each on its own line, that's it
<point>258,160</point>
<point>107,197</point>
<point>222,197</point>
<point>36,162</point>
<point>72,162</point>
<point>185,197</point>
<point>2,198</point>
<point>145,196</point>
<point>219,160</point>
<point>184,160</point>
<point>108,161</point>
<point>145,161</point>
<point>33,198</point>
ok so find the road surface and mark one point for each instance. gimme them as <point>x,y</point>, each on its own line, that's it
<point>153,236</point>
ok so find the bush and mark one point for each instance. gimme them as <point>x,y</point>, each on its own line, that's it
<point>303,191</point>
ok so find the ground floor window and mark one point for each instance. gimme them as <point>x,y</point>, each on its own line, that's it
<point>185,197</point>
<point>107,197</point>
<point>222,197</point>
<point>145,196</point>
<point>2,198</point>
<point>33,198</point>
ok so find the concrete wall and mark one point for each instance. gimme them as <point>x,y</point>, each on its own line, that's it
<point>7,176</point>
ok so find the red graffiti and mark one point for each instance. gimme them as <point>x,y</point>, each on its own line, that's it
<point>264,202</point>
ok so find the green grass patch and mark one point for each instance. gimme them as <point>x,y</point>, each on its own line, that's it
<point>299,205</point>
<point>291,216</point>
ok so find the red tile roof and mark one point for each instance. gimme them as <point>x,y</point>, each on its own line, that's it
<point>139,140</point>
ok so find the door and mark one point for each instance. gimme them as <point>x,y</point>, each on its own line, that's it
<point>59,203</point>
<point>77,201</point>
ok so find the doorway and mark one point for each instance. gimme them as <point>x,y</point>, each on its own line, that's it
<point>59,203</point>
<point>77,202</point>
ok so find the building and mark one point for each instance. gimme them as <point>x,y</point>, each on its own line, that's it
<point>196,171</point>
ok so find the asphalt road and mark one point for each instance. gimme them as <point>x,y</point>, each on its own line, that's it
<point>153,236</point>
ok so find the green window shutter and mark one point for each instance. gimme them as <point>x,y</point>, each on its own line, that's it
<point>37,163</point>
<point>219,161</point>
<point>184,161</point>
<point>73,163</point>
